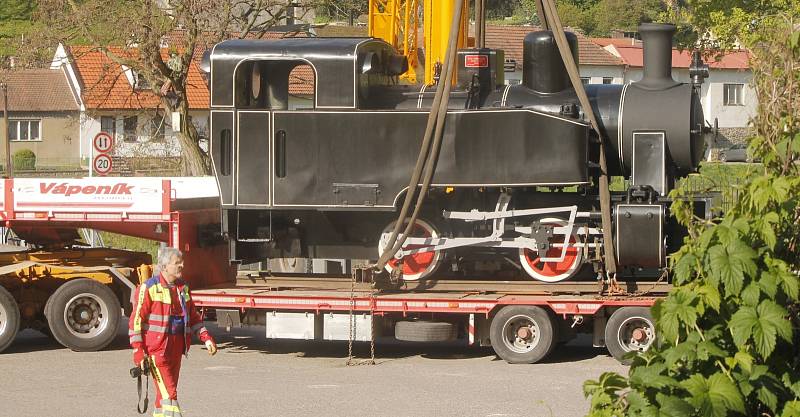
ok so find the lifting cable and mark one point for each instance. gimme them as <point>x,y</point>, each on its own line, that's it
<point>429,151</point>
<point>554,23</point>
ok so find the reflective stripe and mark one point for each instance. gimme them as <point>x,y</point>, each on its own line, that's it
<point>136,338</point>
<point>153,328</point>
<point>157,413</point>
<point>137,321</point>
<point>157,317</point>
<point>186,293</point>
<point>159,382</point>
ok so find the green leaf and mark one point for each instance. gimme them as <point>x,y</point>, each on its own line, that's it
<point>767,397</point>
<point>716,396</point>
<point>792,408</point>
<point>677,308</point>
<point>769,283</point>
<point>751,294</point>
<point>731,264</point>
<point>684,269</point>
<point>672,406</point>
<point>745,360</point>
<point>709,295</point>
<point>650,376</point>
<point>741,325</point>
<point>771,322</point>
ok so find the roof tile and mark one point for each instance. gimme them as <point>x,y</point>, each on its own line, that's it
<point>38,90</point>
<point>509,39</point>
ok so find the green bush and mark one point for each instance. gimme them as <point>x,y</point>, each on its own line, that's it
<point>24,160</point>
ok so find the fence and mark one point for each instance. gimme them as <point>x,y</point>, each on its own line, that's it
<point>79,167</point>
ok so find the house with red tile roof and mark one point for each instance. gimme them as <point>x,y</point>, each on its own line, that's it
<point>596,65</point>
<point>115,99</point>
<point>728,99</point>
<point>44,116</point>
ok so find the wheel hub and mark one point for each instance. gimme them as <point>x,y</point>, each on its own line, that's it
<point>636,334</point>
<point>521,334</point>
<point>85,315</point>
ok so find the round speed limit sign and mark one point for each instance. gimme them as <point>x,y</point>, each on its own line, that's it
<point>103,142</point>
<point>102,164</point>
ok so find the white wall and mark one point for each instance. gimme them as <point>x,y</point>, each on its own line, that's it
<point>712,94</point>
<point>90,126</point>
<point>596,73</point>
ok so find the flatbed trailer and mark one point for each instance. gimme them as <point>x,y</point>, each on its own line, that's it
<point>522,320</point>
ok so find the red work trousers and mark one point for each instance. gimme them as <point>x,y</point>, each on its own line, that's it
<point>168,364</point>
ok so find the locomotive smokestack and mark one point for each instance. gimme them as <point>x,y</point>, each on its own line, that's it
<point>657,45</point>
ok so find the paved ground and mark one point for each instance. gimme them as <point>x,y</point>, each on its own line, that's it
<point>252,377</point>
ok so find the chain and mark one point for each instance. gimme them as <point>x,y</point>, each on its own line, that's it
<point>350,360</point>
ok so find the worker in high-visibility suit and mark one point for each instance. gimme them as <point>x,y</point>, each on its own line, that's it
<point>161,327</point>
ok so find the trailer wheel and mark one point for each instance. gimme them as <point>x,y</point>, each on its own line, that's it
<point>9,319</point>
<point>83,315</point>
<point>522,334</point>
<point>424,331</point>
<point>629,329</point>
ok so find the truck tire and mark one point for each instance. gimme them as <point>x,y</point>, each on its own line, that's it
<point>9,319</point>
<point>424,331</point>
<point>522,334</point>
<point>629,329</point>
<point>83,315</point>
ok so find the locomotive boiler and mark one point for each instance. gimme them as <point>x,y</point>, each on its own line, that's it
<point>515,188</point>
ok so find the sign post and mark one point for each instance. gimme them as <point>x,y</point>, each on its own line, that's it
<point>102,163</point>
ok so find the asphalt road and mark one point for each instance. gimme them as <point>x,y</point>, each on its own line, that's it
<point>253,377</point>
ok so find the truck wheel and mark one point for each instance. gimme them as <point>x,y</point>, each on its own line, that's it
<point>522,334</point>
<point>424,331</point>
<point>629,329</point>
<point>9,319</point>
<point>83,315</point>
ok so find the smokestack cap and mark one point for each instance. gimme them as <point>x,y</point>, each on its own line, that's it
<point>657,56</point>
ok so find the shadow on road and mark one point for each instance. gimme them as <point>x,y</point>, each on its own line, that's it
<point>253,340</point>
<point>245,340</point>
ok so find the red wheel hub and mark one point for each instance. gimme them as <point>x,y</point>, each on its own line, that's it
<point>418,262</point>
<point>554,269</point>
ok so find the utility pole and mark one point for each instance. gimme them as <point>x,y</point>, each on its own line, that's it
<point>9,167</point>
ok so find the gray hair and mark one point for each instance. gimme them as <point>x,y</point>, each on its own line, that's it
<point>165,255</point>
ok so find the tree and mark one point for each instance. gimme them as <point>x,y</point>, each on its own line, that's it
<point>623,15</point>
<point>727,341</point>
<point>131,33</point>
<point>15,25</point>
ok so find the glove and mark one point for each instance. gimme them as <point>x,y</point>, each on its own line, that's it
<point>211,346</point>
<point>138,356</point>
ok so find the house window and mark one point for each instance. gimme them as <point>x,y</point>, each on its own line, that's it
<point>24,129</point>
<point>608,80</point>
<point>141,82</point>
<point>107,124</point>
<point>734,94</point>
<point>130,129</point>
<point>585,80</point>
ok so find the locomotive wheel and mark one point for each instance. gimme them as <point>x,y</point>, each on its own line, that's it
<point>552,271</point>
<point>417,266</point>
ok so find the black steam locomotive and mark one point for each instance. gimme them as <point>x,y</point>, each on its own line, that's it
<point>515,188</point>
